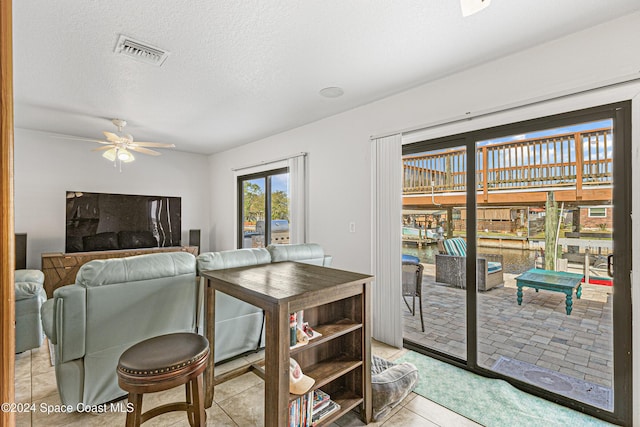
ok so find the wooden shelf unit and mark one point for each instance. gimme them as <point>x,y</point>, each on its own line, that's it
<point>335,303</point>
<point>335,360</point>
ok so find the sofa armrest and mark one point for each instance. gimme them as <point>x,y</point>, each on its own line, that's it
<point>328,259</point>
<point>46,314</point>
<point>66,321</point>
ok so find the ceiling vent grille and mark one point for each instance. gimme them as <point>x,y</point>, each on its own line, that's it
<point>141,51</point>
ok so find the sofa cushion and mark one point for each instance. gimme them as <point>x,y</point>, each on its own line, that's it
<point>35,276</point>
<point>232,258</point>
<point>135,268</point>
<point>493,266</point>
<point>26,290</point>
<point>456,246</point>
<point>311,253</point>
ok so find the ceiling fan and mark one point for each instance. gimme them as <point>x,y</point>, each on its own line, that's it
<point>469,7</point>
<point>118,147</point>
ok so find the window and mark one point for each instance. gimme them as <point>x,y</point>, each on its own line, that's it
<point>264,208</point>
<point>597,212</point>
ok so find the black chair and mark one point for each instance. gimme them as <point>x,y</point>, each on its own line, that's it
<point>412,286</point>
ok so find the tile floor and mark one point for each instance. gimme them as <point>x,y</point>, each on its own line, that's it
<point>238,402</point>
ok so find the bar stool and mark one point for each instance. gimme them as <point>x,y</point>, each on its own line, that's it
<point>162,363</point>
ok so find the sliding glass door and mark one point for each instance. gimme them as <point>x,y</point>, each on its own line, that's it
<point>435,194</point>
<point>540,304</point>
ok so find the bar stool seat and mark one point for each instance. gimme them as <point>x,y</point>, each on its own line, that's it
<point>162,363</point>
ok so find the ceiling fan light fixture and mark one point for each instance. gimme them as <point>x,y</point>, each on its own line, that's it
<point>125,156</point>
<point>111,154</point>
<point>469,7</point>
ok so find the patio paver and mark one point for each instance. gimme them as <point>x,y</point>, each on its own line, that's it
<point>537,332</point>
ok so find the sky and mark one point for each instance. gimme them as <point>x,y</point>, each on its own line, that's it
<point>569,149</point>
<point>278,182</point>
<point>555,131</point>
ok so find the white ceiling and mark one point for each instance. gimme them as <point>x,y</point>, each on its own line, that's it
<point>241,70</point>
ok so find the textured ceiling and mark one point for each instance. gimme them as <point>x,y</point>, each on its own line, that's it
<point>239,71</point>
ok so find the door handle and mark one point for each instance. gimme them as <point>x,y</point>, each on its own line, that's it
<point>610,265</point>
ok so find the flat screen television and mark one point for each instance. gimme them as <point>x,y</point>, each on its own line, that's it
<point>102,221</point>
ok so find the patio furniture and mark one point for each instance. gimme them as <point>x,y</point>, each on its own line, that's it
<point>410,258</point>
<point>412,286</point>
<point>557,281</point>
<point>451,265</point>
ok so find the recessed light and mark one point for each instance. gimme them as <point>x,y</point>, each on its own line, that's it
<point>332,92</point>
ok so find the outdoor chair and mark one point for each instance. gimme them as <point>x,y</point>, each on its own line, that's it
<point>412,286</point>
<point>451,265</point>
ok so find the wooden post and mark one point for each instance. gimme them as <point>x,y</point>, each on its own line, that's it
<point>7,254</point>
<point>586,266</point>
<point>485,173</point>
<point>579,149</point>
<point>449,229</point>
<point>550,231</point>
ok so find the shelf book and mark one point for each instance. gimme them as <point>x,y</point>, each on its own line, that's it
<point>310,409</point>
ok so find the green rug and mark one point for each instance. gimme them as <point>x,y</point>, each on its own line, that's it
<point>490,402</point>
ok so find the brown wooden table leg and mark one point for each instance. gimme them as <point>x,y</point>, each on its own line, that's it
<point>210,333</point>
<point>367,406</point>
<point>276,399</point>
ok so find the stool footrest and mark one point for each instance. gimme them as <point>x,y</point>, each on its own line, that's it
<point>169,407</point>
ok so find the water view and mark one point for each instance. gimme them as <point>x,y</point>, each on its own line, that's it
<point>516,261</point>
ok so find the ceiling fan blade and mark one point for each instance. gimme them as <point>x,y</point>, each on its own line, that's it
<point>152,144</point>
<point>143,150</point>
<point>469,7</point>
<point>111,136</point>
<point>79,138</point>
<point>104,147</point>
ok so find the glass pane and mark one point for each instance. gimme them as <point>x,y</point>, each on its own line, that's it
<point>434,196</point>
<point>279,209</point>
<point>544,224</point>
<point>253,213</point>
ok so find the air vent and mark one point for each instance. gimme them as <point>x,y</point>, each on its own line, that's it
<point>141,51</point>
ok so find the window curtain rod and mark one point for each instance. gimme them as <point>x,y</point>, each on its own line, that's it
<point>619,81</point>
<point>266,162</point>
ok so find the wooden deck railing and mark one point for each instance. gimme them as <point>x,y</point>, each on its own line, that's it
<point>547,162</point>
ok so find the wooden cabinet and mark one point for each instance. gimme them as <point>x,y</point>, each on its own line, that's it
<point>335,303</point>
<point>60,268</point>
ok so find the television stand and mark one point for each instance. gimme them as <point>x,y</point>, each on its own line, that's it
<point>60,269</point>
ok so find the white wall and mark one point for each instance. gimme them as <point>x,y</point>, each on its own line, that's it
<point>45,168</point>
<point>339,146</point>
